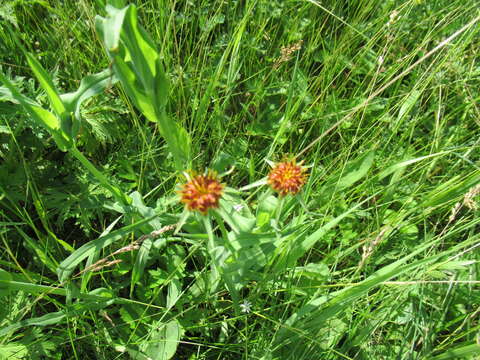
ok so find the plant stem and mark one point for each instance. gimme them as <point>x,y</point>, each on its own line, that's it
<point>224,231</point>
<point>211,245</point>
<point>281,202</point>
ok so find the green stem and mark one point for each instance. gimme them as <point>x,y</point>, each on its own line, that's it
<point>217,267</point>
<point>281,202</point>
<point>119,195</point>
<point>224,231</point>
<point>211,244</point>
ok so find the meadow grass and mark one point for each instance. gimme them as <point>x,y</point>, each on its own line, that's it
<point>376,258</point>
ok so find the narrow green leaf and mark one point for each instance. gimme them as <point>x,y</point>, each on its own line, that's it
<point>119,195</point>
<point>317,311</point>
<point>48,319</point>
<point>86,276</point>
<point>303,244</point>
<point>10,285</point>
<point>67,266</point>
<point>391,169</point>
<point>39,250</point>
<point>408,104</point>
<point>41,116</point>
<point>56,317</point>
<point>451,190</point>
<point>6,95</point>
<point>47,84</point>
<point>50,122</point>
<point>140,262</point>
<point>459,352</point>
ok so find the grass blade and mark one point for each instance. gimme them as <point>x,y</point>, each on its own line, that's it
<point>67,266</point>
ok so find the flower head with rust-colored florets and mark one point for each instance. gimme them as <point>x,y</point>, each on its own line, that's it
<point>201,192</point>
<point>287,177</point>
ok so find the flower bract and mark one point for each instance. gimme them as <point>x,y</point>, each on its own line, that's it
<point>201,192</point>
<point>287,177</point>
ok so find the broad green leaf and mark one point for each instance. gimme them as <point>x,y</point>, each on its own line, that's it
<point>141,48</point>
<point>90,85</point>
<point>174,292</point>
<point>218,255</point>
<point>134,353</point>
<point>137,65</point>
<point>353,171</point>
<point>13,351</point>
<point>251,252</point>
<point>160,85</point>
<point>5,279</point>
<point>145,211</point>
<point>113,23</point>
<point>318,271</point>
<point>332,330</point>
<point>137,94</point>
<point>237,221</point>
<point>164,340</point>
<point>181,144</point>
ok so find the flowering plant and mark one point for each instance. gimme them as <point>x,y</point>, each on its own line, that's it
<point>221,241</point>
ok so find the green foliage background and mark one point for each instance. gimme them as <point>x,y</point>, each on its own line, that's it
<point>379,98</point>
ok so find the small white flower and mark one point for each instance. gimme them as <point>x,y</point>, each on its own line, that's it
<point>246,306</point>
<point>237,207</point>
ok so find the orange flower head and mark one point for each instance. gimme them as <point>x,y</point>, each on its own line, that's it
<point>287,177</point>
<point>201,192</point>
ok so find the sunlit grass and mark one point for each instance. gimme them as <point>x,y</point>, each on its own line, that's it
<point>375,258</point>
